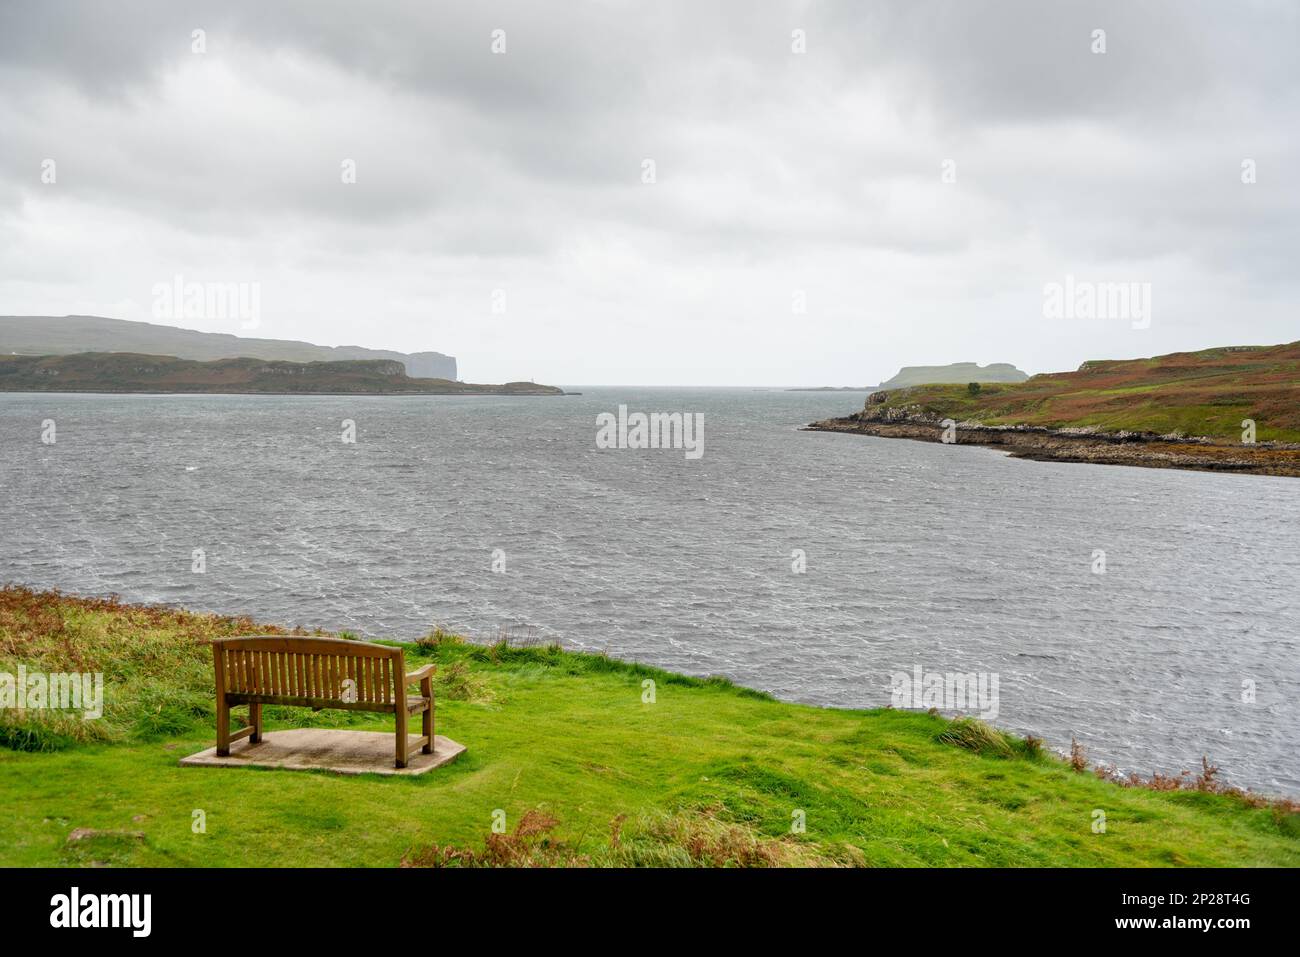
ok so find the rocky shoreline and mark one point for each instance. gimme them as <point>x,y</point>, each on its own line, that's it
<point>1078,445</point>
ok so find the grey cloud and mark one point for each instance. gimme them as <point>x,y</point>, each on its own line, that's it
<point>493,167</point>
<point>1009,60</point>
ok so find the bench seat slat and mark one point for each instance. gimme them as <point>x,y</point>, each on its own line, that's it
<point>293,700</point>
<point>414,705</point>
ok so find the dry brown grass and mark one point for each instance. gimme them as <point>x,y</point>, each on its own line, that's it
<point>708,840</point>
<point>156,662</point>
<point>66,632</point>
<point>1078,757</point>
<point>689,838</point>
<point>1205,781</point>
<point>530,845</point>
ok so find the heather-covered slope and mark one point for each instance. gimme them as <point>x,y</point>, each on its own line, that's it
<point>1207,393</point>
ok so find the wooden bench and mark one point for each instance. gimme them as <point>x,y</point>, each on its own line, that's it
<point>318,673</point>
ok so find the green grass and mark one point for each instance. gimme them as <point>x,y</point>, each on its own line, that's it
<point>707,774</point>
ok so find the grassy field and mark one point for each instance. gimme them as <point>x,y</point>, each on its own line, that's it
<point>585,770</point>
<point>1205,393</point>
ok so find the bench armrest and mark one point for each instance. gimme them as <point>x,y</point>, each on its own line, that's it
<point>421,675</point>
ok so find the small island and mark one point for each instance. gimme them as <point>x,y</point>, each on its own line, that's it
<point>126,372</point>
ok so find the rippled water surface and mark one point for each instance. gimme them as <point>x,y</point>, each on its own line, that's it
<point>954,558</point>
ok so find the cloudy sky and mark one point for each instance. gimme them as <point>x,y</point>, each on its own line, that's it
<point>799,229</point>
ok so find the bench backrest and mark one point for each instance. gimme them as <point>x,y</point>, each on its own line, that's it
<point>316,671</point>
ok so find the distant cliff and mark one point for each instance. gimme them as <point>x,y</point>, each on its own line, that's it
<point>130,372</point>
<point>63,335</point>
<point>956,373</point>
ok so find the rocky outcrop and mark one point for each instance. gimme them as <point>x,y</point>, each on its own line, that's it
<point>1077,445</point>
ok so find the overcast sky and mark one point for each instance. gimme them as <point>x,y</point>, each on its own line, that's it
<point>780,177</point>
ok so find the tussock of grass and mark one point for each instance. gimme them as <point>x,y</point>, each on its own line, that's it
<point>974,735</point>
<point>704,837</point>
<point>456,682</point>
<point>689,838</point>
<point>87,848</point>
<point>529,845</point>
<point>438,639</point>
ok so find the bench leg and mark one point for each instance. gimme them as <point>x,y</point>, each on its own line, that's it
<point>426,727</point>
<point>401,734</point>
<point>223,726</point>
<point>255,719</point>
